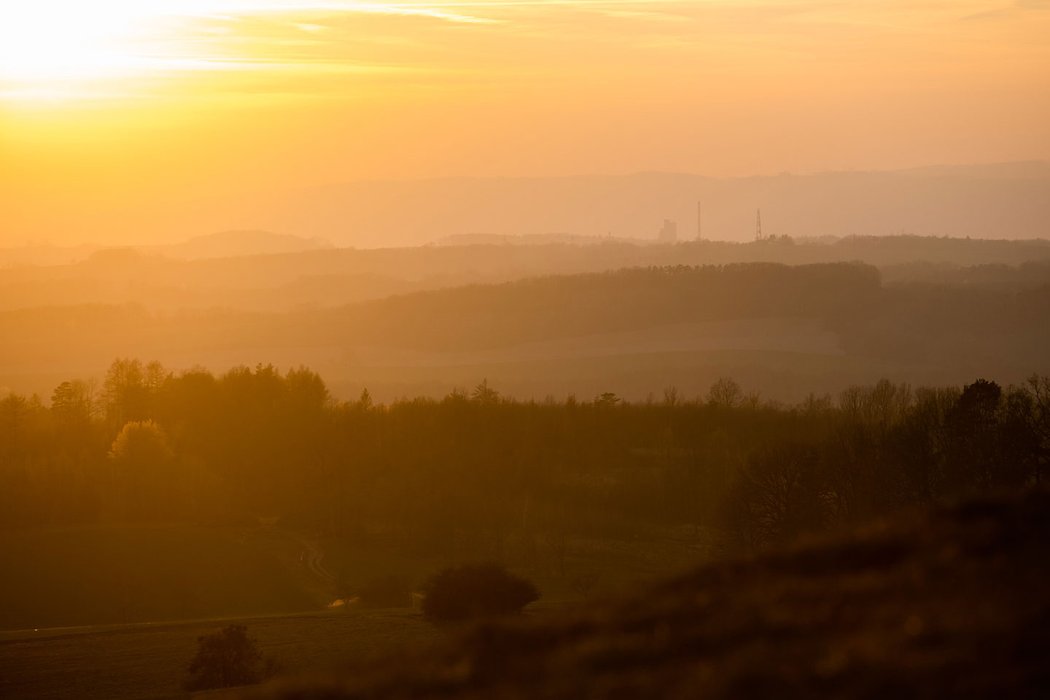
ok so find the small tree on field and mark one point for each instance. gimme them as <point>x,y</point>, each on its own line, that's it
<point>225,659</point>
<point>475,590</point>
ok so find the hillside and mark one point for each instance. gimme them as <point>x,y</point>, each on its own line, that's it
<point>948,604</point>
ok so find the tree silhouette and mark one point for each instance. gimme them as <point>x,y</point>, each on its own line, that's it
<point>140,445</point>
<point>777,497</point>
<point>484,394</point>
<point>225,659</point>
<point>725,393</point>
<point>475,590</point>
<point>141,457</point>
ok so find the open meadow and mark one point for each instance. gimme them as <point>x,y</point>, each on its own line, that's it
<point>150,660</point>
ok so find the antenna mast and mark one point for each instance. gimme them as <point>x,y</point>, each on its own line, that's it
<point>758,225</point>
<point>699,222</point>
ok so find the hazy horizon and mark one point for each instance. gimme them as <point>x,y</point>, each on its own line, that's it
<point>998,200</point>
<point>115,116</point>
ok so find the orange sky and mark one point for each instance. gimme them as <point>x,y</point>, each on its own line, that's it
<point>109,108</point>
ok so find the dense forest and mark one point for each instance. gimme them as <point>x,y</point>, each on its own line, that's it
<point>480,475</point>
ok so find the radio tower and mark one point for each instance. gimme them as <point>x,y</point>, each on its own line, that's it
<point>699,222</point>
<point>758,225</point>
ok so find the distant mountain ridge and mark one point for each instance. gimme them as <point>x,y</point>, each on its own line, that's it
<point>993,201</point>
<point>224,244</point>
<point>237,243</point>
<point>1009,200</point>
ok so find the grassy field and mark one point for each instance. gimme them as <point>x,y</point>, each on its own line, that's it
<point>581,568</point>
<point>149,661</point>
<point>116,611</point>
<point>105,575</point>
<point>94,612</point>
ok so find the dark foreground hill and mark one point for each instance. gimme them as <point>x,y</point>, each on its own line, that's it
<point>953,604</point>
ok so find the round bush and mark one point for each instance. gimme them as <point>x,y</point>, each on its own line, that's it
<point>475,590</point>
<point>225,659</point>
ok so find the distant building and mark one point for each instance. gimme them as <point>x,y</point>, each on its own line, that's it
<point>668,233</point>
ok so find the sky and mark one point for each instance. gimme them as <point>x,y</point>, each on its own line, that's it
<point>111,109</point>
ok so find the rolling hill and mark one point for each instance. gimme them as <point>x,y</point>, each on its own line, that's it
<point>952,603</point>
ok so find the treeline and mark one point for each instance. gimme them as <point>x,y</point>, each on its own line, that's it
<point>478,473</point>
<point>1008,278</point>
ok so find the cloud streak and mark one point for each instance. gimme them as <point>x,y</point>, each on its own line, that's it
<point>551,40</point>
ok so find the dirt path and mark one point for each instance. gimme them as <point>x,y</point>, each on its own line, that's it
<point>312,557</point>
<point>302,555</point>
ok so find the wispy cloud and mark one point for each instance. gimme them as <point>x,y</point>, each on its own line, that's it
<point>1017,9</point>
<point>549,40</point>
<point>438,11</point>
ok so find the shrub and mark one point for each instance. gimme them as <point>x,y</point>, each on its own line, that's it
<point>475,590</point>
<point>226,659</point>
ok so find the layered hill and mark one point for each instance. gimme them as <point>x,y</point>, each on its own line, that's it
<point>788,330</point>
<point>266,272</point>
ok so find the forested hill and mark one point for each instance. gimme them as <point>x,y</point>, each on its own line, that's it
<point>639,298</point>
<point>952,604</point>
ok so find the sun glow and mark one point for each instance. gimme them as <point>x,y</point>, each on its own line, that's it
<point>55,50</point>
<point>52,41</point>
<point>59,50</point>
<point>113,105</point>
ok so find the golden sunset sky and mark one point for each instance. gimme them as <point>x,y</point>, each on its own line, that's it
<point>106,102</point>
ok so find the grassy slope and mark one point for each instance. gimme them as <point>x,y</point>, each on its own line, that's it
<point>954,604</point>
<point>950,604</point>
<point>149,661</point>
<point>102,575</point>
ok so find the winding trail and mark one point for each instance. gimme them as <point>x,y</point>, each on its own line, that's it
<point>313,561</point>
